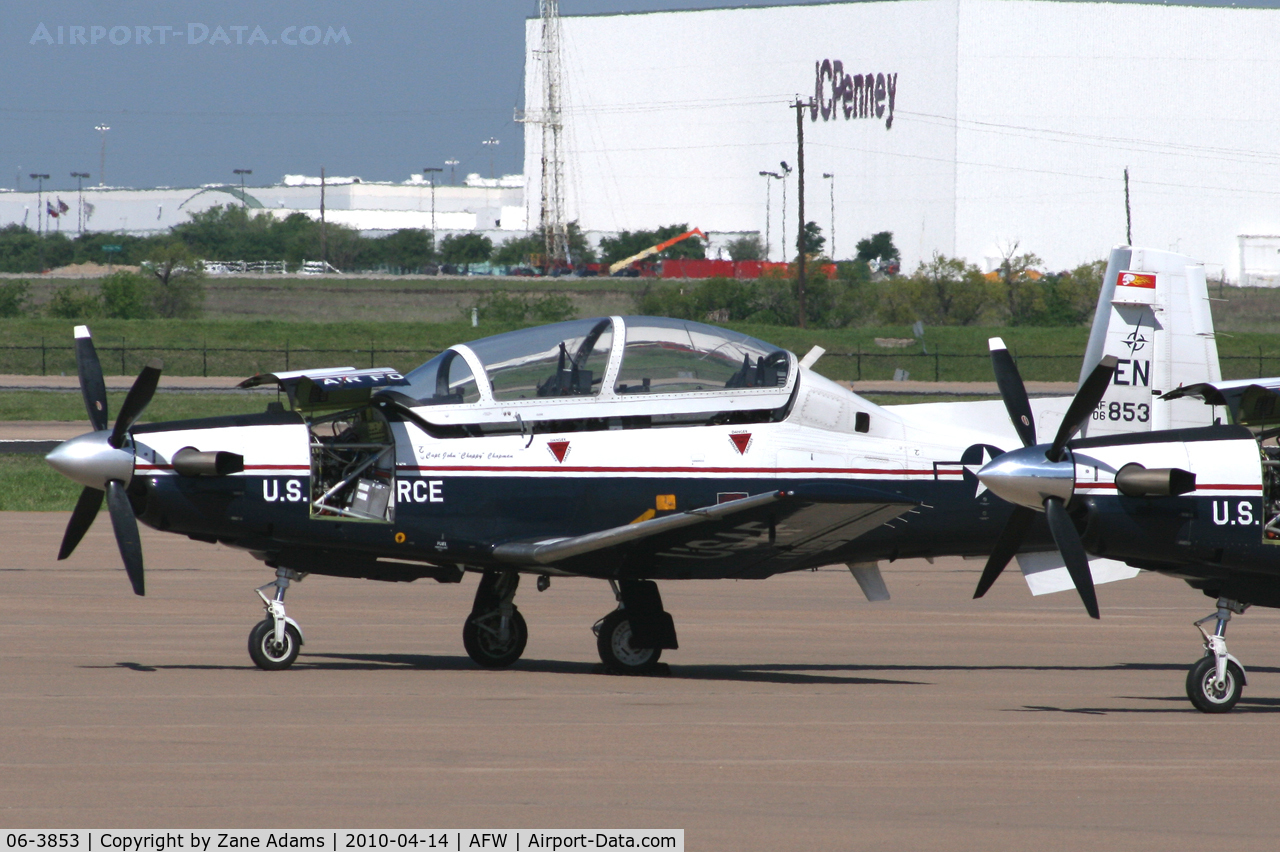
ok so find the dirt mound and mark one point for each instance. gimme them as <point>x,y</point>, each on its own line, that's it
<point>89,270</point>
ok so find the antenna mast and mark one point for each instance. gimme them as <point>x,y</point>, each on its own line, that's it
<point>551,222</point>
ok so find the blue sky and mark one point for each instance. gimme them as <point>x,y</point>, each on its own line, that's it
<point>398,86</point>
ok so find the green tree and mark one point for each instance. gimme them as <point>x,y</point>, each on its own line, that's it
<point>580,249</point>
<point>128,295</point>
<point>408,248</point>
<point>1023,294</point>
<point>878,246</point>
<point>943,291</point>
<point>813,239</point>
<point>518,251</point>
<point>179,281</point>
<point>628,243</point>
<point>466,249</point>
<point>748,247</point>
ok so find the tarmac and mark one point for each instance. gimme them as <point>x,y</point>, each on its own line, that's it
<point>795,715</point>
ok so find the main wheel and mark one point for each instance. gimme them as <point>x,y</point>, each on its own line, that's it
<point>613,641</point>
<point>1204,695</point>
<point>482,637</point>
<point>268,655</point>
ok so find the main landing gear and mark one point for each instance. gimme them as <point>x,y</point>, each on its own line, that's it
<point>1217,679</point>
<point>275,641</point>
<point>631,638</point>
<point>495,633</point>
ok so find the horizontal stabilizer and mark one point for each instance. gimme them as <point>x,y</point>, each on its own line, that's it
<point>1046,573</point>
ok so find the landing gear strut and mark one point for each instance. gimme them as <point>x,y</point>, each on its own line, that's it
<point>275,641</point>
<point>495,633</point>
<point>1217,680</point>
<point>631,638</point>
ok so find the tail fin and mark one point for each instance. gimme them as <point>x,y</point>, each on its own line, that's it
<point>1153,315</point>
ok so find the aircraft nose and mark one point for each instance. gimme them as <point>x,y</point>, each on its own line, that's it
<point>91,461</point>
<point>1026,477</point>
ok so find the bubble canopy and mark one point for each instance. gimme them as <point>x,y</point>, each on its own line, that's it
<point>600,357</point>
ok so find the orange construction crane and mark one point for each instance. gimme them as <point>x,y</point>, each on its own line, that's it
<point>651,250</point>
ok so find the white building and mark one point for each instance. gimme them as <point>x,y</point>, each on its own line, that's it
<point>481,204</point>
<point>963,126</point>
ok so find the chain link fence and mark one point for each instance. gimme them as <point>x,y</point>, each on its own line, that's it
<point>122,359</point>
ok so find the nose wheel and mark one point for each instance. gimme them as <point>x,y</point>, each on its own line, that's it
<point>275,641</point>
<point>1217,680</point>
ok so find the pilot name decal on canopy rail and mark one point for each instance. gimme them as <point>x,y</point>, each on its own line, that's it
<point>837,94</point>
<point>741,442</point>
<point>559,449</point>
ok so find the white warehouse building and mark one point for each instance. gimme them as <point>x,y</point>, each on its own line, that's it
<point>966,127</point>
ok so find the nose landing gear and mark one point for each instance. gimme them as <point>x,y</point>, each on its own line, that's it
<point>1217,680</point>
<point>275,641</point>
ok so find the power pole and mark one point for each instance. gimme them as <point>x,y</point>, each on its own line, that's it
<point>555,233</point>
<point>430,172</point>
<point>768,196</point>
<point>831,177</point>
<point>800,106</point>
<point>1128,220</point>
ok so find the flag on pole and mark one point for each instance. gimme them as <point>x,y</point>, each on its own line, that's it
<point>62,206</point>
<point>88,210</point>
<point>50,209</point>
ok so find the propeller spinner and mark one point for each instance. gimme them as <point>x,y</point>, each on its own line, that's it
<point>101,461</point>
<point>1040,477</point>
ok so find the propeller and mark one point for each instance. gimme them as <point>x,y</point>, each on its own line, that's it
<point>1040,477</point>
<point>100,461</point>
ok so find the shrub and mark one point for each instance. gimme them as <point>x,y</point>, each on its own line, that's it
<point>127,295</point>
<point>75,301</point>
<point>14,296</point>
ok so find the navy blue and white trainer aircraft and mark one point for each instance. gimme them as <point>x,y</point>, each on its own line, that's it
<point>644,449</point>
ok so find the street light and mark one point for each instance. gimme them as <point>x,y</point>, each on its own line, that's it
<point>102,161</point>
<point>40,211</point>
<point>453,178</point>
<point>831,177</point>
<point>786,170</point>
<point>490,143</point>
<point>80,176</point>
<point>768,196</point>
<point>430,172</point>
<point>242,173</point>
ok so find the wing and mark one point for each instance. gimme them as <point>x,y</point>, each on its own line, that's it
<point>752,537</point>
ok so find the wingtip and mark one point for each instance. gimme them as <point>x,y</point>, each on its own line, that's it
<point>996,344</point>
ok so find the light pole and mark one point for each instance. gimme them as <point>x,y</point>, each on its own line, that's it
<point>768,196</point>
<point>102,161</point>
<point>430,172</point>
<point>786,170</point>
<point>453,177</point>
<point>40,211</point>
<point>242,173</point>
<point>80,176</point>
<point>490,143</point>
<point>831,177</point>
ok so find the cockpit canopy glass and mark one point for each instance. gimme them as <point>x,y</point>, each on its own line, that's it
<point>564,359</point>
<point>444,380</point>
<point>678,356</point>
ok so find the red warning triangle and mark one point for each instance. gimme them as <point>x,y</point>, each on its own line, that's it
<point>741,440</point>
<point>559,449</point>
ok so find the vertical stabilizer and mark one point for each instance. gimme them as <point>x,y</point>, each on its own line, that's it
<point>1153,315</point>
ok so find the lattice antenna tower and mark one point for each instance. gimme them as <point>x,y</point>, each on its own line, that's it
<point>551,215</point>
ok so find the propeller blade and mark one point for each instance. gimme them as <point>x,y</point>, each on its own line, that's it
<point>1013,391</point>
<point>1073,553</point>
<point>1006,546</point>
<point>92,387</point>
<point>144,387</point>
<point>126,527</point>
<point>81,519</point>
<point>1081,408</point>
